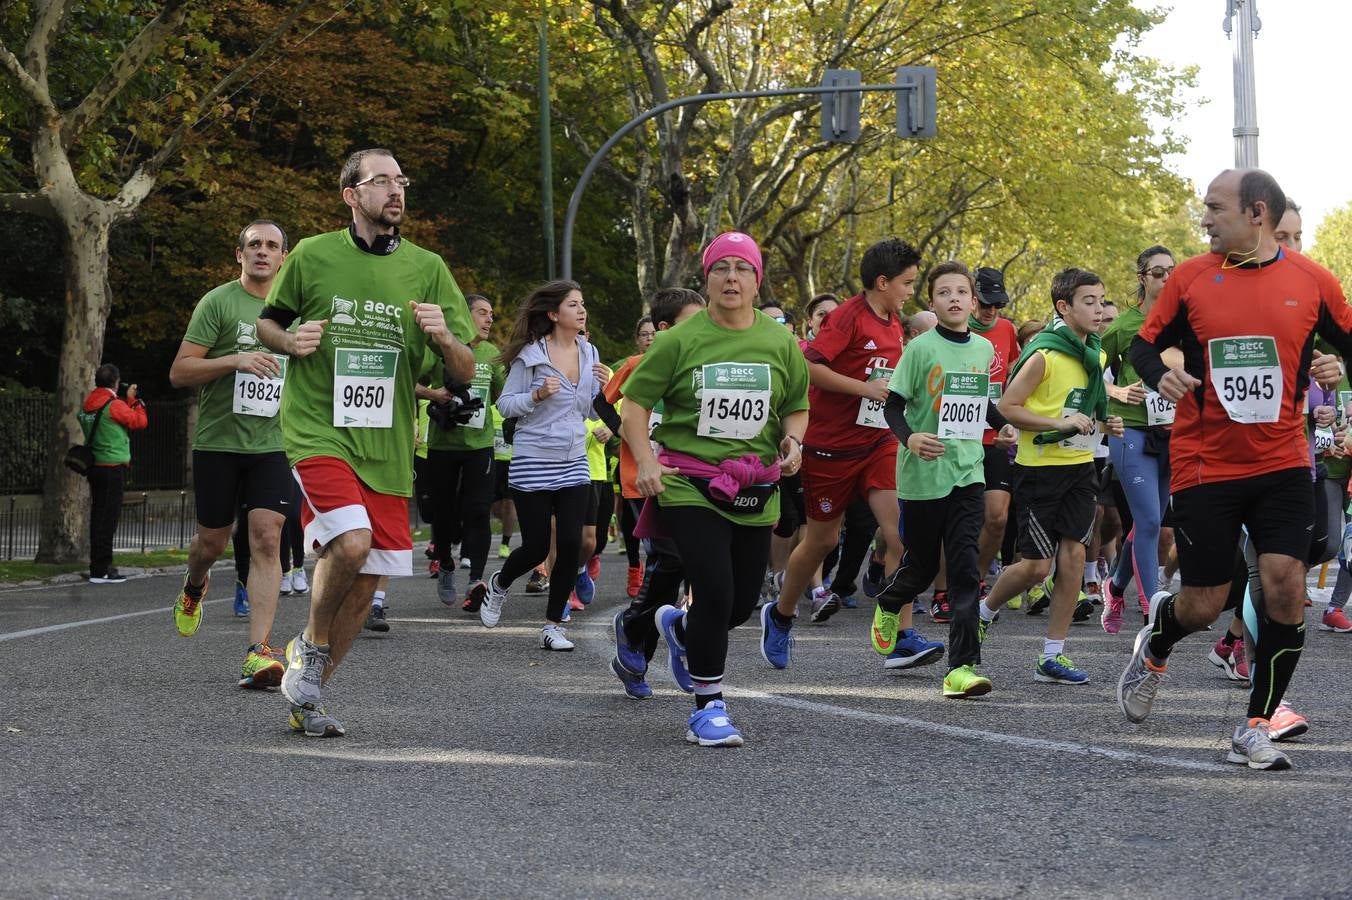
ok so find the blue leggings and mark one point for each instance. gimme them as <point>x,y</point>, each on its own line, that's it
<point>1147,488</point>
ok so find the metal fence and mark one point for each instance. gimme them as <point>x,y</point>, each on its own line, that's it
<point>159,453</point>
<point>148,523</point>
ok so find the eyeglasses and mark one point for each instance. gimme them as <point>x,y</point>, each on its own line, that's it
<point>383,181</point>
<point>721,269</point>
<point>1159,271</point>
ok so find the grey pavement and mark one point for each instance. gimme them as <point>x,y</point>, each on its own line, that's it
<point>477,765</point>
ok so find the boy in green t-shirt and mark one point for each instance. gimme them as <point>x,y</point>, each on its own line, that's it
<point>1059,401</point>
<point>938,405</point>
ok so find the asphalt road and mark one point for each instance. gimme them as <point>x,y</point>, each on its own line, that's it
<point>479,766</point>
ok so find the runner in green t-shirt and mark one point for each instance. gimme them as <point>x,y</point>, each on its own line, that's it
<point>460,459</point>
<point>376,312</point>
<point>939,406</point>
<point>734,387</point>
<point>237,446</point>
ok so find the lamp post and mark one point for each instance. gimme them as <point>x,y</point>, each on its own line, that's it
<point>1241,24</point>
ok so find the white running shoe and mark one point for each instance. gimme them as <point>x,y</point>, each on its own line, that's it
<point>1252,746</point>
<point>490,611</point>
<point>298,583</point>
<point>554,637</point>
<point>286,584</point>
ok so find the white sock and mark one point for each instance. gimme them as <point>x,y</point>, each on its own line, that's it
<point>378,599</point>
<point>1052,649</point>
<point>987,614</point>
<point>1091,571</point>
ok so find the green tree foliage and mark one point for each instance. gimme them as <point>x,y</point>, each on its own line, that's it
<point>1333,245</point>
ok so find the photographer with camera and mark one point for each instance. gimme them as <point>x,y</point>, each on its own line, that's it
<point>107,423</point>
<point>460,462</point>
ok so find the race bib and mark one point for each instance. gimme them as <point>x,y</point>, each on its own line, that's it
<point>500,446</point>
<point>1344,404</point>
<point>258,396</point>
<point>871,411</point>
<point>995,391</point>
<point>655,418</point>
<point>1323,440</point>
<point>1090,441</point>
<point>477,420</point>
<point>734,400</point>
<point>962,405</point>
<point>363,388</point>
<point>1158,411</point>
<point>1247,377</point>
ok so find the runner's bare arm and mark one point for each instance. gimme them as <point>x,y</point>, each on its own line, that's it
<point>634,431</point>
<point>191,368</point>
<point>828,379</point>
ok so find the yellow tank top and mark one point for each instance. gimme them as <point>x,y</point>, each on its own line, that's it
<point>1061,377</point>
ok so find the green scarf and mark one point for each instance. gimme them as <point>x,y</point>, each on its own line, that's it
<point>975,324</point>
<point>1061,337</point>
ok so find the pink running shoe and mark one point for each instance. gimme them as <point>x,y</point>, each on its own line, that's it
<point>1113,603</point>
<point>1227,657</point>
<point>1286,723</point>
<point>1335,620</point>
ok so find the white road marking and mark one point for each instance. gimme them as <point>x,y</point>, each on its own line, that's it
<point>48,629</point>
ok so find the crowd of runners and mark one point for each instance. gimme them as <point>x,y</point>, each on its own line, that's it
<point>750,465</point>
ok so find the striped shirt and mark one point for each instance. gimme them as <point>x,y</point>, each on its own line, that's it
<point>530,474</point>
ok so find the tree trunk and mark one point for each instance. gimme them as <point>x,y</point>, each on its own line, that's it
<point>64,526</point>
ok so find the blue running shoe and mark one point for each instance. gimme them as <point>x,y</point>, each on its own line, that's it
<point>1059,670</point>
<point>776,640</point>
<point>567,614</point>
<point>850,602</point>
<point>711,727</point>
<point>634,685</point>
<point>627,654</point>
<point>241,601</point>
<point>585,588</point>
<point>913,650</point>
<point>666,618</point>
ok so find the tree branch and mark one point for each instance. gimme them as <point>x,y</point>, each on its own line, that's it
<point>49,17</point>
<point>151,38</point>
<point>33,203</point>
<point>156,163</point>
<point>36,92</point>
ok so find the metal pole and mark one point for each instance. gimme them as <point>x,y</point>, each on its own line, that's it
<point>546,145</point>
<point>576,199</point>
<point>1244,16</point>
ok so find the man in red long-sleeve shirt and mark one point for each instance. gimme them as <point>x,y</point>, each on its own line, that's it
<point>110,442</point>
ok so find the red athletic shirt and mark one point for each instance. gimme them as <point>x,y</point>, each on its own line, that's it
<point>1005,339</point>
<point>1288,300</point>
<point>853,341</point>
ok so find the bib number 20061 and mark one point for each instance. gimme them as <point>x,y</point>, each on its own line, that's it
<point>734,400</point>
<point>363,388</point>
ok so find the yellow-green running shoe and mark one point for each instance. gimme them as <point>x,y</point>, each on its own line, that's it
<point>884,631</point>
<point>187,611</point>
<point>261,670</point>
<point>1015,602</point>
<point>965,682</point>
<point>315,723</point>
<point>1039,597</point>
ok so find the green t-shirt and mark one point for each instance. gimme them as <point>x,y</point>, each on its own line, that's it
<point>724,393</point>
<point>235,413</point>
<point>502,451</point>
<point>1117,349</point>
<point>946,386</point>
<point>353,397</point>
<point>487,384</point>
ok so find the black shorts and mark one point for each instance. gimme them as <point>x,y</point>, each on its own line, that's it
<point>999,469</point>
<point>1277,508</point>
<point>1054,502</point>
<point>601,504</point>
<point>792,505</point>
<point>500,489</point>
<point>1103,467</point>
<point>224,483</point>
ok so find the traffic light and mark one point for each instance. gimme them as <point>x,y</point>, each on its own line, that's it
<point>840,109</point>
<point>916,110</point>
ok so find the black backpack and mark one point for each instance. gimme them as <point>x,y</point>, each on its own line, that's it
<point>80,457</point>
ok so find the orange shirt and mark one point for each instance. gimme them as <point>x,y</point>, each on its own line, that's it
<point>1247,417</point>
<point>628,467</point>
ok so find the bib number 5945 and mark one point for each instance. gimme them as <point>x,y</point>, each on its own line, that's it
<point>1246,375</point>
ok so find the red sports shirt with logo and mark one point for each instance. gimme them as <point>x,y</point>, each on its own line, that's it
<point>1005,339</point>
<point>1242,315</point>
<point>856,342</point>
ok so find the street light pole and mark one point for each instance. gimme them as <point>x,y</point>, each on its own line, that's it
<point>546,145</point>
<point>1241,24</point>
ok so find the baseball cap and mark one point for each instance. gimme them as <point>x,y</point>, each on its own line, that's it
<point>990,287</point>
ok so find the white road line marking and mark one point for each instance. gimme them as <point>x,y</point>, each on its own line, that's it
<point>990,737</point>
<point>48,629</point>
